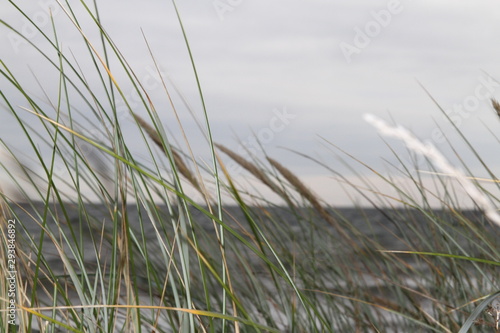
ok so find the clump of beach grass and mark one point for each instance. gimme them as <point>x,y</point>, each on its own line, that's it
<point>145,256</point>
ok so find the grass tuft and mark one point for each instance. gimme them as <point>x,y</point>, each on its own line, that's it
<point>108,239</point>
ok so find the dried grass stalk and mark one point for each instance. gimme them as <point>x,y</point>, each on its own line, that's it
<point>496,106</point>
<point>153,134</point>
<point>309,196</point>
<point>250,167</point>
<point>178,161</point>
<point>301,188</point>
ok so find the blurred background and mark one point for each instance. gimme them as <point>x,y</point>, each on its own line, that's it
<point>292,75</point>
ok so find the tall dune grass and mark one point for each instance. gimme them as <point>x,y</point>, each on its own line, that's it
<point>111,240</point>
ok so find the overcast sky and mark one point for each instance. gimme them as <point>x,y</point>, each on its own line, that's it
<point>296,73</point>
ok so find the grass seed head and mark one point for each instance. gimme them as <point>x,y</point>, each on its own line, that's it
<point>496,106</point>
